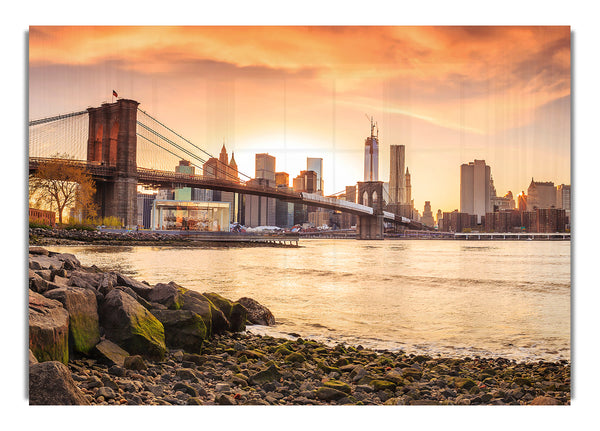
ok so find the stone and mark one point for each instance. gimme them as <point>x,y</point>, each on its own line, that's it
<point>382,385</point>
<point>38,250</point>
<point>200,305</point>
<point>544,401</point>
<point>140,288</point>
<point>168,295</point>
<point>48,329</point>
<point>234,312</point>
<point>184,329</point>
<point>269,375</point>
<point>50,383</point>
<point>339,385</point>
<point>110,353</point>
<point>69,260</point>
<point>329,394</point>
<point>32,358</point>
<point>106,392</point>
<point>84,327</point>
<point>135,362</point>
<point>127,323</point>
<point>224,400</point>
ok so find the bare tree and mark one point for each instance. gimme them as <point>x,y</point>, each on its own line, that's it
<point>58,184</point>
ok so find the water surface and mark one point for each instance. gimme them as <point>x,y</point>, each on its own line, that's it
<point>458,298</point>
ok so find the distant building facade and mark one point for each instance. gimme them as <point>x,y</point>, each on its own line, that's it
<point>475,187</point>
<point>397,160</point>
<point>541,195</point>
<point>427,218</point>
<point>261,210</point>
<point>316,165</point>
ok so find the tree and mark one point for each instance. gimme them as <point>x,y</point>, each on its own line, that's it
<point>60,184</point>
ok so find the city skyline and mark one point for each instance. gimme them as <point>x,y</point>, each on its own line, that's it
<point>449,94</point>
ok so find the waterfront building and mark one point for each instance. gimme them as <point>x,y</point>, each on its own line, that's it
<point>397,159</point>
<point>190,215</point>
<point>508,220</point>
<point>475,188</point>
<point>456,221</point>
<point>319,218</point>
<point>284,211</point>
<point>541,195</point>
<point>438,219</point>
<point>427,218</point>
<point>348,220</point>
<point>505,202</point>
<point>549,220</point>
<point>371,172</point>
<point>316,165</point>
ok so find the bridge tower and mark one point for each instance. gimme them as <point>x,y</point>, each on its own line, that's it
<point>112,142</point>
<point>370,193</point>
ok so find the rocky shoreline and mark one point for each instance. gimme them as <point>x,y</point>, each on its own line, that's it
<point>101,338</point>
<point>48,237</point>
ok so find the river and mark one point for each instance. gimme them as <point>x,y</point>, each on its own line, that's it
<point>457,298</point>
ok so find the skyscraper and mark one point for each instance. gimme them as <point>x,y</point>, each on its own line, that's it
<point>397,192</point>
<point>407,188</point>
<point>372,155</point>
<point>541,195</point>
<point>475,188</point>
<point>316,164</point>
<point>261,210</point>
<point>427,218</point>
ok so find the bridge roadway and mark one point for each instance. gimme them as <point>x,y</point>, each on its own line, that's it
<point>155,178</point>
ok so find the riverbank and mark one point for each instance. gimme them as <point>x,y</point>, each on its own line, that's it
<point>228,364</point>
<point>246,369</point>
<point>49,237</point>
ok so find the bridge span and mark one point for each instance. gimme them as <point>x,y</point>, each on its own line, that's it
<point>112,160</point>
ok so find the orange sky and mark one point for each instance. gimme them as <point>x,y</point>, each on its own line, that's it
<point>449,94</point>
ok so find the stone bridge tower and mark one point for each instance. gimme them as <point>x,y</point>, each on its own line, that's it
<point>370,193</point>
<point>112,142</point>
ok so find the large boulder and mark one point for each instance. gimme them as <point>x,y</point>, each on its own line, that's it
<point>48,329</point>
<point>131,326</point>
<point>40,261</point>
<point>84,327</point>
<point>213,318</point>
<point>184,329</point>
<point>169,295</point>
<point>258,314</point>
<point>69,260</point>
<point>50,383</point>
<point>233,311</point>
<point>138,287</point>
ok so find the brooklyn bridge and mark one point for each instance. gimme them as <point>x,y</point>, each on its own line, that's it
<point>122,147</point>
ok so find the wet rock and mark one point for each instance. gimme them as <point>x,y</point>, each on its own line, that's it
<point>258,314</point>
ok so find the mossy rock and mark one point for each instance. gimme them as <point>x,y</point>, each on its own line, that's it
<point>323,366</point>
<point>329,394</point>
<point>464,383</point>
<point>283,351</point>
<point>270,374</point>
<point>295,357</point>
<point>382,385</point>
<point>339,385</point>
<point>522,381</point>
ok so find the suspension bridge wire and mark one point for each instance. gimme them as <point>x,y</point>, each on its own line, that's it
<point>184,150</point>
<point>55,118</point>
<point>186,140</point>
<point>62,134</point>
<point>166,149</point>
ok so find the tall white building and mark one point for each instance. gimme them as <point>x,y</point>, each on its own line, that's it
<point>475,188</point>
<point>372,156</point>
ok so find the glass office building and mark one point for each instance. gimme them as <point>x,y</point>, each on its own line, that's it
<point>190,215</point>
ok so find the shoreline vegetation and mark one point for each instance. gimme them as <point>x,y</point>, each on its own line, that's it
<point>102,338</point>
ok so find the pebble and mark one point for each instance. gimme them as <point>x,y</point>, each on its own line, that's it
<point>217,376</point>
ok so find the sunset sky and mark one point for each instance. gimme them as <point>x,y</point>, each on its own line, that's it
<point>449,94</point>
